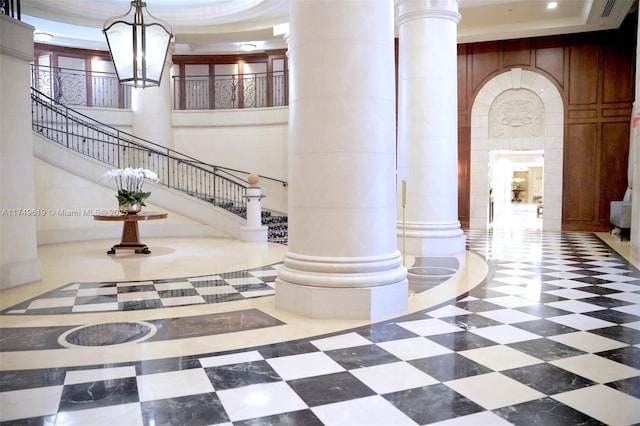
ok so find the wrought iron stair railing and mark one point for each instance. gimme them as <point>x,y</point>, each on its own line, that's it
<point>221,186</point>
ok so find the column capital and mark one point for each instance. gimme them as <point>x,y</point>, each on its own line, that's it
<point>408,10</point>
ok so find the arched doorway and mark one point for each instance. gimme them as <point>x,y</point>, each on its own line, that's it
<point>516,182</point>
<point>517,111</point>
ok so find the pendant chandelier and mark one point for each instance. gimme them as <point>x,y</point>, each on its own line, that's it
<point>138,43</point>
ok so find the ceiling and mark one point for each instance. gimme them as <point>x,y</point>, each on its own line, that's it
<point>220,26</point>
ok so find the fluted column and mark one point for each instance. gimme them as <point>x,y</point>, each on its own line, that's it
<point>19,263</point>
<point>342,260</point>
<point>428,125</point>
<point>152,108</point>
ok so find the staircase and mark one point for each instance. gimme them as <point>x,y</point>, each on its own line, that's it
<point>277,224</point>
<point>221,187</point>
<point>278,227</point>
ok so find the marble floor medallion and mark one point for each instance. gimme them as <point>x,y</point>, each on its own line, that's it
<point>428,272</point>
<point>106,334</point>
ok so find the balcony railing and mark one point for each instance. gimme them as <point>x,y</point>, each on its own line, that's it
<point>231,91</point>
<point>81,88</point>
<point>11,8</point>
<point>73,87</point>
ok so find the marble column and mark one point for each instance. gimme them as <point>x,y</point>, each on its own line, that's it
<point>342,260</point>
<point>152,108</point>
<point>428,126</point>
<point>19,263</point>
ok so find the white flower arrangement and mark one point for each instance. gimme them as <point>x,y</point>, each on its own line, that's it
<point>129,182</point>
<point>516,183</point>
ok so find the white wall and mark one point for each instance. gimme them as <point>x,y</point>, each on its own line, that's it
<point>118,118</point>
<point>251,140</point>
<point>19,262</point>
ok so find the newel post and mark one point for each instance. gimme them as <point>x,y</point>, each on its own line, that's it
<point>254,230</point>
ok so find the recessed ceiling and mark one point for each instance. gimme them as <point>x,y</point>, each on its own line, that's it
<point>221,26</point>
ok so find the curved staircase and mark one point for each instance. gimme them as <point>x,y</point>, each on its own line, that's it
<point>219,187</point>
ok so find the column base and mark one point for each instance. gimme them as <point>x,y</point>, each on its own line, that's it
<point>435,246</point>
<point>255,234</point>
<point>442,239</point>
<point>19,273</point>
<point>343,303</point>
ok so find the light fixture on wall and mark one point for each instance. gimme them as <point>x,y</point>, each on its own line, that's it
<point>138,43</point>
<point>248,47</point>
<point>42,37</point>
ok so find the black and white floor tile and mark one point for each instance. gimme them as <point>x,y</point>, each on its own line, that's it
<point>551,337</point>
<point>161,293</point>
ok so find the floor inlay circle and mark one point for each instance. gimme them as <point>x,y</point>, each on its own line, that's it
<point>433,271</point>
<point>107,334</point>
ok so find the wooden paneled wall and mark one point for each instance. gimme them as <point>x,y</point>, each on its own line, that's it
<point>594,73</point>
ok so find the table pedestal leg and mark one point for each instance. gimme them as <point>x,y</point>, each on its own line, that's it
<point>130,239</point>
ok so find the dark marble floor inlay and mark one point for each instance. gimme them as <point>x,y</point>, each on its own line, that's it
<point>31,338</point>
<point>545,411</point>
<point>105,334</point>
<point>82,396</point>
<point>206,325</point>
<point>242,374</point>
<point>431,404</point>
<point>330,389</point>
<point>108,334</point>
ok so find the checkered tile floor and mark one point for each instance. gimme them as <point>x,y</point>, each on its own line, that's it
<point>552,337</point>
<point>135,295</point>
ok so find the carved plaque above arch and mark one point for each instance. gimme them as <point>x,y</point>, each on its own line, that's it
<point>516,113</point>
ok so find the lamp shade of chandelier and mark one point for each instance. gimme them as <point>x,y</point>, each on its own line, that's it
<point>138,43</point>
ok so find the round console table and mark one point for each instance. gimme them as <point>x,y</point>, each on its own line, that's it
<point>130,235</point>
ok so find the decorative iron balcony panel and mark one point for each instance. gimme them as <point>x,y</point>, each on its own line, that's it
<point>100,89</point>
<point>81,88</point>
<point>235,91</point>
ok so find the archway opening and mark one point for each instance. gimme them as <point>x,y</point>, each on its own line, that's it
<point>516,182</point>
<point>517,111</point>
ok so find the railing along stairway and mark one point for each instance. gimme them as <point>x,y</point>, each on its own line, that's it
<point>221,186</point>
